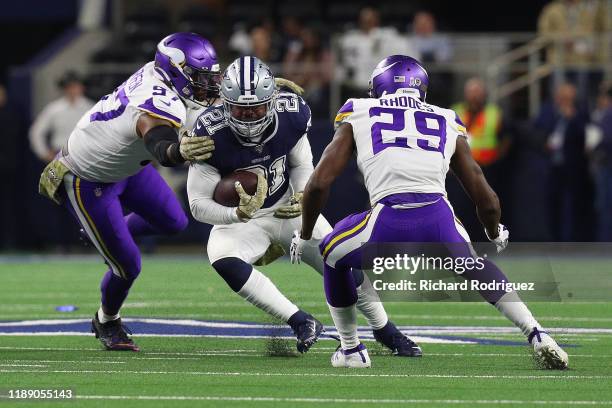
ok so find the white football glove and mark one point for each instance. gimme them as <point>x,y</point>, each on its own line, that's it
<point>250,204</point>
<point>293,209</point>
<point>195,148</point>
<point>297,247</point>
<point>503,235</point>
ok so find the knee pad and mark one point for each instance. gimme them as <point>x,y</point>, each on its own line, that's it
<point>234,271</point>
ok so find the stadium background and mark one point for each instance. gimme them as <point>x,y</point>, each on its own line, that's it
<point>105,41</point>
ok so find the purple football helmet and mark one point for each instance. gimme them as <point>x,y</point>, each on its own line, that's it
<point>398,72</point>
<point>188,62</point>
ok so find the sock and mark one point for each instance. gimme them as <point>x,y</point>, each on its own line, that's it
<point>370,306</point>
<point>345,320</point>
<point>511,306</point>
<point>104,318</point>
<point>386,333</point>
<point>262,293</point>
<point>298,318</point>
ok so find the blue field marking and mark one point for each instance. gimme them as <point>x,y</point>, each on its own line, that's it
<point>235,330</point>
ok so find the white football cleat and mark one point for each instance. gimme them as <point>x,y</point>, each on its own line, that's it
<point>547,352</point>
<point>356,357</point>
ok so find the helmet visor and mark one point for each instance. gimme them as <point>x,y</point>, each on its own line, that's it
<point>205,84</point>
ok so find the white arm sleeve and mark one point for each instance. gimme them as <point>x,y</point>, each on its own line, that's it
<point>201,183</point>
<point>300,164</point>
<point>39,132</point>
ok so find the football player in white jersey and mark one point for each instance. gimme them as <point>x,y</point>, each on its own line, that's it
<point>105,166</point>
<point>404,149</point>
<point>265,131</point>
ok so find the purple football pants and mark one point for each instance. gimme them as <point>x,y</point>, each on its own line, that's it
<point>98,207</point>
<point>342,248</point>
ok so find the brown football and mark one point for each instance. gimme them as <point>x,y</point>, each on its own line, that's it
<point>225,192</point>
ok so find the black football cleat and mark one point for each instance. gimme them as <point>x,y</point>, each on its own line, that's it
<point>308,333</point>
<point>397,342</point>
<point>113,335</point>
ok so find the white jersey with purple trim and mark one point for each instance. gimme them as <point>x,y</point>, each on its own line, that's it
<point>403,145</point>
<point>104,146</point>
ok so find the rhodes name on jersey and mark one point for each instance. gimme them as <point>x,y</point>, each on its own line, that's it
<point>271,157</point>
<point>104,146</point>
<point>403,145</point>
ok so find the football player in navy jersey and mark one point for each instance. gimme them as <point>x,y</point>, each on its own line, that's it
<point>261,129</point>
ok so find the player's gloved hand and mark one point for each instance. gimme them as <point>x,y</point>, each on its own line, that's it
<point>294,209</point>
<point>297,247</point>
<point>249,204</point>
<point>501,240</point>
<point>51,179</point>
<point>196,148</point>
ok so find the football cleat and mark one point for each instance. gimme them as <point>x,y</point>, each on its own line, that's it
<point>547,352</point>
<point>397,342</point>
<point>308,333</point>
<point>356,357</point>
<point>113,335</point>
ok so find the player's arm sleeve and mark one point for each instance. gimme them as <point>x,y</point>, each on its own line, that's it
<point>168,108</point>
<point>38,133</point>
<point>459,127</point>
<point>344,114</point>
<point>300,164</point>
<point>201,183</point>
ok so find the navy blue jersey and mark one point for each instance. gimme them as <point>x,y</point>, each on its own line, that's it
<point>291,122</point>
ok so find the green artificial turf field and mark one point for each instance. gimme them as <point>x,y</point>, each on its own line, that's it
<point>472,355</point>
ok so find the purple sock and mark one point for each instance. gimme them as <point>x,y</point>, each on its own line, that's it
<point>114,291</point>
<point>138,226</point>
<point>489,273</point>
<point>340,288</point>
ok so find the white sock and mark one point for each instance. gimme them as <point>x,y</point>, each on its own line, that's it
<point>345,320</point>
<point>370,306</point>
<point>104,318</point>
<point>261,292</point>
<point>511,306</point>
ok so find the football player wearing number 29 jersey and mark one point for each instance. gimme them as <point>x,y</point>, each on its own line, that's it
<point>404,149</point>
<point>105,166</point>
<point>262,130</point>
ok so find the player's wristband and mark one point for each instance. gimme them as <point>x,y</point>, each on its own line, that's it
<point>161,142</point>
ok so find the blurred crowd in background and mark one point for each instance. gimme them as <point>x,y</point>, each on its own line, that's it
<point>552,170</point>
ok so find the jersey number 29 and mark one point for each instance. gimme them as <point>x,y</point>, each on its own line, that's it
<point>427,131</point>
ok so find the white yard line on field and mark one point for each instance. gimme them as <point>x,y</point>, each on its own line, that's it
<point>68,361</point>
<point>252,352</point>
<point>343,375</point>
<point>342,400</point>
<point>23,365</point>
